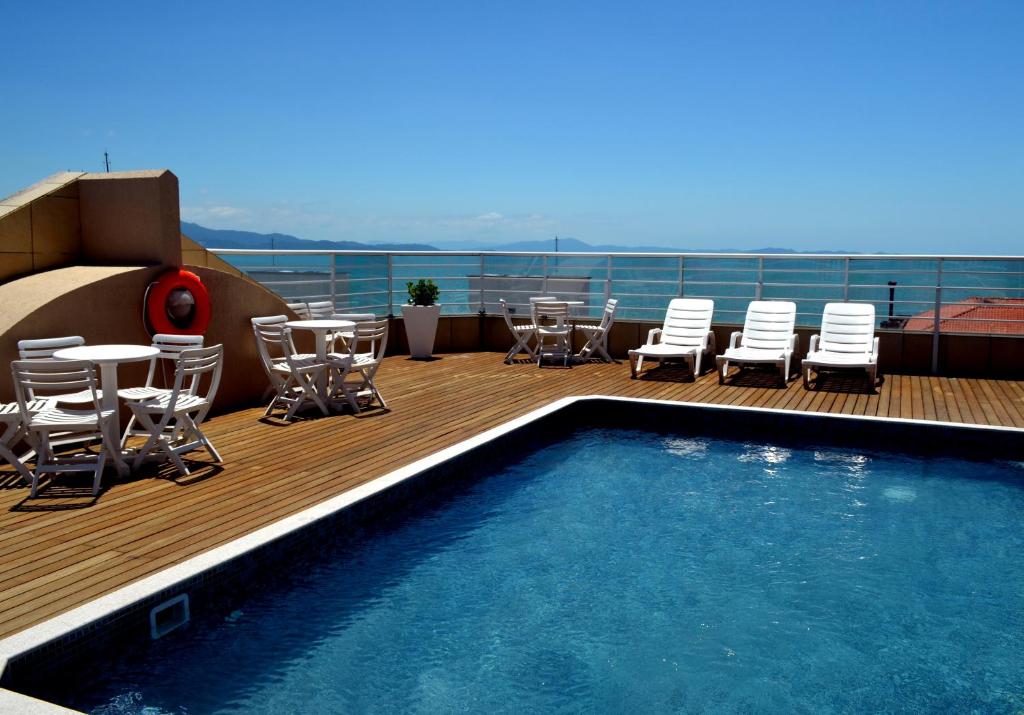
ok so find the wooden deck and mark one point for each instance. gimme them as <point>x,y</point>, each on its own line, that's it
<point>64,549</point>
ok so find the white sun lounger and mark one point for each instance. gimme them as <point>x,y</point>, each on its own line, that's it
<point>847,340</point>
<point>767,338</point>
<point>685,335</point>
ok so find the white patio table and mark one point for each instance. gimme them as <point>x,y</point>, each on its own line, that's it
<point>321,329</point>
<point>108,357</point>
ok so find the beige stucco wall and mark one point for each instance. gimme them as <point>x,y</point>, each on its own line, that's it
<point>104,304</point>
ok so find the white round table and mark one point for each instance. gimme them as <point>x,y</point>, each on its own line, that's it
<point>108,357</point>
<point>321,328</point>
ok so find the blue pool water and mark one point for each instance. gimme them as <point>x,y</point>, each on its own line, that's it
<point>625,571</point>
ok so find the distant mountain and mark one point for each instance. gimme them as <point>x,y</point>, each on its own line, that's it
<point>220,238</point>
<point>571,245</point>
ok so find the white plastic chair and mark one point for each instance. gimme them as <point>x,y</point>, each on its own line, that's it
<point>597,335</point>
<point>172,420</point>
<point>292,375</point>
<point>320,309</point>
<point>300,309</point>
<point>553,338</point>
<point>345,335</point>
<point>847,341</point>
<point>48,378</point>
<point>685,335</point>
<point>170,347</point>
<point>767,338</point>
<point>355,371</point>
<point>43,349</point>
<point>521,332</point>
<point>12,431</point>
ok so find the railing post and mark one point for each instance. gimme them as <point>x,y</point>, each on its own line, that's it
<point>334,282</point>
<point>483,306</point>
<point>681,287</point>
<point>937,323</point>
<point>846,278</point>
<point>544,269</point>
<point>608,278</point>
<point>391,303</point>
<point>759,289</point>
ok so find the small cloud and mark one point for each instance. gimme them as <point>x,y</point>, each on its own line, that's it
<point>490,217</point>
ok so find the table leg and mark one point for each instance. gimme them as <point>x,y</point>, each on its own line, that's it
<point>321,356</point>
<point>108,384</point>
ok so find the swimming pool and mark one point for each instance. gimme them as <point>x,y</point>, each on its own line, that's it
<point>630,570</point>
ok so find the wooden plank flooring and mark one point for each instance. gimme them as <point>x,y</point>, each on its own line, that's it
<point>64,549</point>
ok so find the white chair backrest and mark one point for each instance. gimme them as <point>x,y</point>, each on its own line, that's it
<point>320,309</point>
<point>40,378</point>
<point>769,325</point>
<point>370,337</point>
<point>848,328</point>
<point>687,321</point>
<point>556,311</point>
<point>170,346</point>
<point>300,309</point>
<point>506,314</point>
<point>46,347</point>
<point>271,333</point>
<point>609,313</point>
<point>192,364</point>
<point>543,299</point>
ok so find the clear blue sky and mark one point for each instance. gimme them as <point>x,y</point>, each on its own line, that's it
<point>895,126</point>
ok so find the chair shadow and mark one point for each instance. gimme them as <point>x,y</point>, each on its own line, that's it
<point>432,358</point>
<point>854,383</point>
<point>74,491</point>
<point>667,372</point>
<point>753,376</point>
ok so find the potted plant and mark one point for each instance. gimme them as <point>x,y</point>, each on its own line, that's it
<point>420,317</point>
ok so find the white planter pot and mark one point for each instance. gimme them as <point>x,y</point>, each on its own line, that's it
<point>420,328</point>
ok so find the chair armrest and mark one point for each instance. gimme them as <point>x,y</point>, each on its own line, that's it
<point>734,339</point>
<point>794,343</point>
<point>874,350</point>
<point>654,336</point>
<point>814,343</point>
<point>707,343</point>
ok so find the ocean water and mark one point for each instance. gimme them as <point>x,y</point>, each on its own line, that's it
<point>643,285</point>
<point>624,571</point>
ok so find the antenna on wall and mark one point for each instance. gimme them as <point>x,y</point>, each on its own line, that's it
<point>106,161</point>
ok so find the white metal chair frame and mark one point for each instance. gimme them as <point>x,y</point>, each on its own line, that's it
<point>58,377</point>
<point>597,335</point>
<point>768,338</point>
<point>182,410</point>
<point>847,341</point>
<point>293,376</point>
<point>43,349</point>
<point>685,335</point>
<point>523,333</point>
<point>319,309</point>
<point>354,372</point>
<point>170,347</point>
<point>552,339</point>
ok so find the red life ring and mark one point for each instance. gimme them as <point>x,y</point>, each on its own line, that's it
<point>178,303</point>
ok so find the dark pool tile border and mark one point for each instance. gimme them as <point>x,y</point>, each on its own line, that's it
<point>121,619</point>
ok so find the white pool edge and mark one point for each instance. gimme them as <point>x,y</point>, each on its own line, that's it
<point>70,621</point>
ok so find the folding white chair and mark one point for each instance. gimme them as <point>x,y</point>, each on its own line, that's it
<point>300,309</point>
<point>597,335</point>
<point>685,335</point>
<point>345,335</point>
<point>320,309</point>
<point>847,341</point>
<point>170,347</point>
<point>521,332</point>
<point>767,338</point>
<point>43,349</point>
<point>292,375</point>
<point>47,378</point>
<point>12,431</point>
<point>552,338</point>
<point>355,371</point>
<point>172,420</point>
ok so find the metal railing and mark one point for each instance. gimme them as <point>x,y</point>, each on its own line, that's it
<point>971,294</point>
